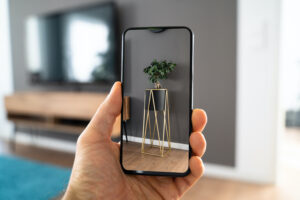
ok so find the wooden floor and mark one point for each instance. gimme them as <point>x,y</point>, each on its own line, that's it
<point>207,188</point>
<point>288,187</point>
<point>173,161</point>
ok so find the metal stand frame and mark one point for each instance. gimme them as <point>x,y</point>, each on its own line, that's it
<point>147,124</point>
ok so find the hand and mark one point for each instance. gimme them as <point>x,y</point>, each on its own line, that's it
<point>97,173</point>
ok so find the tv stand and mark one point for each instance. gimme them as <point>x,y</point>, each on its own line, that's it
<point>67,112</point>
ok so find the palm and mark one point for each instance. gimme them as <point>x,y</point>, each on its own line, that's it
<point>100,156</point>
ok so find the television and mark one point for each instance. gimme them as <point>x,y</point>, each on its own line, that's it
<point>73,46</point>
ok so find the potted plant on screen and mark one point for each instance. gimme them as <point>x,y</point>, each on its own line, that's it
<point>156,71</point>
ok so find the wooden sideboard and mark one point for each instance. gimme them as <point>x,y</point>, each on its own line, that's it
<point>67,112</point>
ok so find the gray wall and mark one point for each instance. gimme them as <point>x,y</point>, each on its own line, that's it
<point>214,25</point>
<point>141,47</point>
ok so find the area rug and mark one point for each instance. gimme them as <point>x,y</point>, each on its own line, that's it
<point>24,179</point>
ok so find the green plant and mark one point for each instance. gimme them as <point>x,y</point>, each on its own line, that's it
<point>159,71</point>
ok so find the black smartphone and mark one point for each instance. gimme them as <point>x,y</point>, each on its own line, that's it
<point>157,91</point>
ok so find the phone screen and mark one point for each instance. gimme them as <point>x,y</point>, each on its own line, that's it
<point>157,100</point>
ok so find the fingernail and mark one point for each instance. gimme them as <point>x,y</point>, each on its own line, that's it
<point>112,88</point>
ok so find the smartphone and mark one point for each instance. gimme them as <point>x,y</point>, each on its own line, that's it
<point>157,91</point>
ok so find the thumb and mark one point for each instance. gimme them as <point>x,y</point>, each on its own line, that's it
<point>103,120</point>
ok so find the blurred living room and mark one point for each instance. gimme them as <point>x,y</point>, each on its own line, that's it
<point>246,78</point>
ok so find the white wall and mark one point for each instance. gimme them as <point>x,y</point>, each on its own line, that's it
<point>257,93</point>
<point>6,67</point>
<point>290,54</point>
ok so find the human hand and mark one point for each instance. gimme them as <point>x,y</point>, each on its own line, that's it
<point>97,173</point>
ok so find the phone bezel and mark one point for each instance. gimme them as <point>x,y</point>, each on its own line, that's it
<point>156,173</point>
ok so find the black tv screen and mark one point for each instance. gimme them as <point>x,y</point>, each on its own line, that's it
<point>77,46</point>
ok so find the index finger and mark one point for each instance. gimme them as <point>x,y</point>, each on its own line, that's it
<point>199,120</point>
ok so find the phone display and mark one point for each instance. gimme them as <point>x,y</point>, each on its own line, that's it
<point>157,77</point>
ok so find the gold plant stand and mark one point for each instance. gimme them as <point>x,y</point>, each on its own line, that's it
<point>147,123</point>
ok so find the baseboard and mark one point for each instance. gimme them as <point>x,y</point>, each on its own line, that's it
<point>44,142</point>
<point>174,145</point>
<point>233,173</point>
